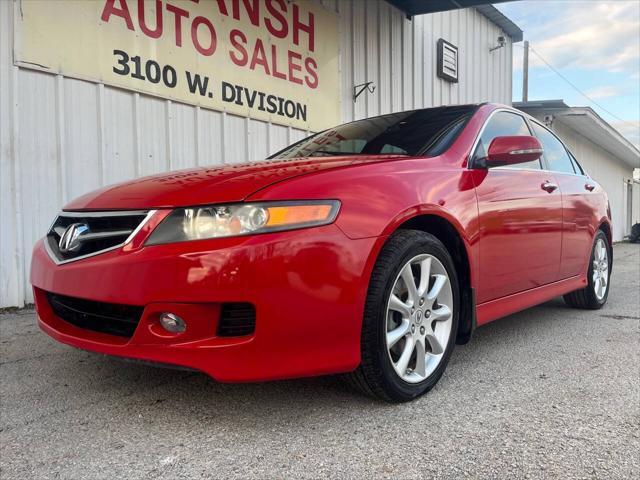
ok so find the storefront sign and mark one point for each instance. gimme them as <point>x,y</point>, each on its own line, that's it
<point>271,60</point>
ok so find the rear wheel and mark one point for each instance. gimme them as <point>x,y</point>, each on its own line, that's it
<point>411,318</point>
<point>595,294</point>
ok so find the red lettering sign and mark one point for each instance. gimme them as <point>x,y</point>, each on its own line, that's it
<point>277,18</point>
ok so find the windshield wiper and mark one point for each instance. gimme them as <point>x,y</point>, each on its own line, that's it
<point>331,152</point>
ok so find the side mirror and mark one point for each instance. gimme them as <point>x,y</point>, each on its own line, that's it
<point>513,150</point>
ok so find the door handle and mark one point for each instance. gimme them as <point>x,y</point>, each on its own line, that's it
<point>549,186</point>
<point>589,186</point>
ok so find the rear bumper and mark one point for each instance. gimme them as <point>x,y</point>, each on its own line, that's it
<point>307,286</point>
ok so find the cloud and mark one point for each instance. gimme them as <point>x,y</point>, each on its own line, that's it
<point>605,91</point>
<point>630,130</point>
<point>582,34</point>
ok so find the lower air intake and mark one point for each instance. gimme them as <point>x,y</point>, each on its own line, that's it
<point>109,318</point>
<point>236,320</point>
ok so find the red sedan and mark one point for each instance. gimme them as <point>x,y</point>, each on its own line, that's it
<point>371,249</point>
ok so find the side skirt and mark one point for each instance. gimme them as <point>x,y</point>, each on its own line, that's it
<point>501,307</point>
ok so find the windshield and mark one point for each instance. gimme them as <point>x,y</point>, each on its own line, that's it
<point>427,132</point>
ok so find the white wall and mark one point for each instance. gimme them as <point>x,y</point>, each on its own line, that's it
<point>607,170</point>
<point>635,210</point>
<point>61,137</point>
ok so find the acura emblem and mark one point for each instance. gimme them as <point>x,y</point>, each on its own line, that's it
<point>71,239</point>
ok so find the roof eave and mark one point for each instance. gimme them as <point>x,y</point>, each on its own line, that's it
<point>611,140</point>
<point>632,157</point>
<point>421,7</point>
<point>502,21</point>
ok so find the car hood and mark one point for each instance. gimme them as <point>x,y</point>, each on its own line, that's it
<point>206,185</point>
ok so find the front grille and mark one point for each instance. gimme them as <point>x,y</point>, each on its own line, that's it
<point>110,318</point>
<point>90,233</point>
<point>237,319</point>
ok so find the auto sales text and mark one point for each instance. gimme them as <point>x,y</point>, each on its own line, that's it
<point>276,18</point>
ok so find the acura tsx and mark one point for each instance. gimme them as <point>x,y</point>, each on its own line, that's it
<point>368,249</point>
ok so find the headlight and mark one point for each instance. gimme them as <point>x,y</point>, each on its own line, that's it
<point>217,221</point>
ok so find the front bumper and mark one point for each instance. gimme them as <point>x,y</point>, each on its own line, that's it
<point>308,288</point>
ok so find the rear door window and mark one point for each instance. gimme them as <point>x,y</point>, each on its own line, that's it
<point>504,124</point>
<point>555,153</point>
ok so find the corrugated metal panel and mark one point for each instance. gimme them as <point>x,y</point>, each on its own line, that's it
<point>39,142</point>
<point>61,137</point>
<point>80,132</point>
<point>120,137</point>
<point>635,200</point>
<point>12,282</point>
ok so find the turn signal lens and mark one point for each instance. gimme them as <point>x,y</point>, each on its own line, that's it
<point>296,214</point>
<point>218,221</point>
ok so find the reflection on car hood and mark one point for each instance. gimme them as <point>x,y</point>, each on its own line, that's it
<point>206,185</point>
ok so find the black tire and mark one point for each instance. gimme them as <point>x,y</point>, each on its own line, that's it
<point>586,298</point>
<point>376,376</point>
<point>635,233</point>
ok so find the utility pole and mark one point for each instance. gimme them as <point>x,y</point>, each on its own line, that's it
<point>525,73</point>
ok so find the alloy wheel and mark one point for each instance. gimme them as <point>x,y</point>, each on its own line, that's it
<point>600,269</point>
<point>419,318</point>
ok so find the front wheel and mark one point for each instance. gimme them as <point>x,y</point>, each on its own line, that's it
<point>595,294</point>
<point>411,318</point>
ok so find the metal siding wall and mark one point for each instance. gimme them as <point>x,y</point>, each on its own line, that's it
<point>12,280</point>
<point>635,208</point>
<point>80,124</point>
<point>61,137</point>
<point>120,136</point>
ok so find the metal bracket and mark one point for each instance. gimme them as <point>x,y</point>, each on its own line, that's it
<point>363,86</point>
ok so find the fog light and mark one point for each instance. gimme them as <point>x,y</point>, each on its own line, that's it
<point>172,323</point>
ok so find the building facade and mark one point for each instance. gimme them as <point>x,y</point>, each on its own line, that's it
<point>65,130</point>
<point>602,151</point>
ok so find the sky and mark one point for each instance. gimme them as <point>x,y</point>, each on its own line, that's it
<point>595,44</point>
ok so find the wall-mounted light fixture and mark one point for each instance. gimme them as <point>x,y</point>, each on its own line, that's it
<point>370,86</point>
<point>501,43</point>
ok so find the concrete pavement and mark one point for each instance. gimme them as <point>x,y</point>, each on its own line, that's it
<point>551,392</point>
